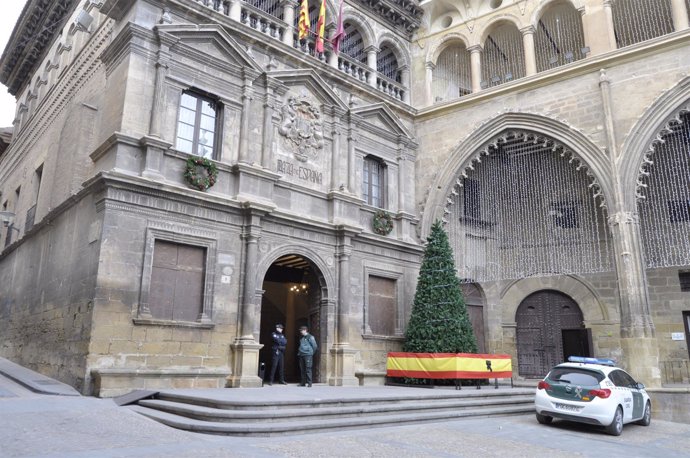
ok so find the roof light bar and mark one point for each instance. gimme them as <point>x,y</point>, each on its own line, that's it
<point>587,360</point>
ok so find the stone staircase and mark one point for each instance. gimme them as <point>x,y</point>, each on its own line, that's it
<point>206,414</point>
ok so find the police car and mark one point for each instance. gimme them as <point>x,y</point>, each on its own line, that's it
<point>593,391</point>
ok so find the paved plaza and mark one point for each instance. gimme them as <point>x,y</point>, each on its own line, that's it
<point>34,425</point>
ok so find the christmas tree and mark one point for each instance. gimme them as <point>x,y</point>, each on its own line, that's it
<point>439,321</point>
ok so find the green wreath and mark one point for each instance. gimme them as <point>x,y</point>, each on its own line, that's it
<point>383,222</point>
<point>197,179</point>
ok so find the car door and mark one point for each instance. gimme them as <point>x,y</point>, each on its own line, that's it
<point>623,393</point>
<point>638,399</point>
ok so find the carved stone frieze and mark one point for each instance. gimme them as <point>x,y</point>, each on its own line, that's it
<point>624,218</point>
<point>301,125</point>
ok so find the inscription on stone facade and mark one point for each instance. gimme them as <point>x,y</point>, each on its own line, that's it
<point>297,171</point>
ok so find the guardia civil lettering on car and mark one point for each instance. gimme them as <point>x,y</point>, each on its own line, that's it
<point>592,391</point>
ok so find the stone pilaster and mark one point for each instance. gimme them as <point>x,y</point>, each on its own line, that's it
<point>476,67</point>
<point>342,354</point>
<point>405,81</point>
<point>267,137</point>
<point>335,155</point>
<point>640,351</point>
<point>611,32</point>
<point>246,348</point>
<point>351,157</point>
<point>528,45</point>
<point>247,96</point>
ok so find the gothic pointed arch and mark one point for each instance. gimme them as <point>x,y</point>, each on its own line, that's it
<point>582,151</point>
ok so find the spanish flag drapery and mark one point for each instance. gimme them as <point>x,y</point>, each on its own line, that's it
<point>448,365</point>
<point>303,22</point>
<point>321,27</point>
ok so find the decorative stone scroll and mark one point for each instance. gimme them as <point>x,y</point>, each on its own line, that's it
<point>301,125</point>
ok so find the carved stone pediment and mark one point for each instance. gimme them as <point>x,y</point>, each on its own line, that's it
<point>301,125</point>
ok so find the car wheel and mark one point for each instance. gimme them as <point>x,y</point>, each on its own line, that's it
<point>616,426</point>
<point>544,419</point>
<point>647,418</point>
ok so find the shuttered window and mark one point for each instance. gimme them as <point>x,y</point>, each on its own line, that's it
<point>177,281</point>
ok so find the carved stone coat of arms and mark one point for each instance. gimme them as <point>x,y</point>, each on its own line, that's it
<point>301,125</point>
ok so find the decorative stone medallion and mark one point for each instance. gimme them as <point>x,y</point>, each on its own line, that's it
<point>301,125</point>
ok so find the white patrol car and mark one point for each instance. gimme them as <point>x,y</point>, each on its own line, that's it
<point>593,391</point>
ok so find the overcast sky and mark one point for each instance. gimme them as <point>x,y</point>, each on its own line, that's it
<point>10,13</point>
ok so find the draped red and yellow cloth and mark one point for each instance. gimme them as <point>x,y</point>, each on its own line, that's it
<point>321,27</point>
<point>448,365</point>
<point>303,22</point>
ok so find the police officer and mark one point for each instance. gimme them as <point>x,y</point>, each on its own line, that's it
<point>278,350</point>
<point>305,354</point>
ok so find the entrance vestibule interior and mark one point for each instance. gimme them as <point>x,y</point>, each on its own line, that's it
<point>291,297</point>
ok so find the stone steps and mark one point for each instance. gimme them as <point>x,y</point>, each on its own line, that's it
<point>275,417</point>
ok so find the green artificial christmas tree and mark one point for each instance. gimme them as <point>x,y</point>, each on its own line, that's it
<point>439,321</point>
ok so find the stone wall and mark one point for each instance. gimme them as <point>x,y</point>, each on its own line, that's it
<point>46,304</point>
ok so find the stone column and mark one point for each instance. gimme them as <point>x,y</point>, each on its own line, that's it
<point>405,82</point>
<point>611,32</point>
<point>235,12</point>
<point>428,83</point>
<point>246,348</point>
<point>342,353</point>
<point>680,15</point>
<point>289,18</point>
<point>476,67</point>
<point>244,123</point>
<point>528,44</point>
<point>372,52</point>
<point>638,342</point>
<point>332,57</point>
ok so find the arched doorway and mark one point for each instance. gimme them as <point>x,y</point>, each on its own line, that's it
<point>549,329</point>
<point>292,296</point>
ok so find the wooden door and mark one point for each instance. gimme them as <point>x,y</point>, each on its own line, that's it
<point>541,319</point>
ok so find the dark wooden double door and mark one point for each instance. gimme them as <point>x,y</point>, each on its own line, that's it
<point>549,329</point>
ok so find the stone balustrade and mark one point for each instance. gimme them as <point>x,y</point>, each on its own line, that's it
<point>390,87</point>
<point>353,68</point>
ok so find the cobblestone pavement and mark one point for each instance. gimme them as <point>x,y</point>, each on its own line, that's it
<point>55,426</point>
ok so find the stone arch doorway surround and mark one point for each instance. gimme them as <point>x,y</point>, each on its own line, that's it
<point>595,314</point>
<point>549,325</point>
<point>296,290</point>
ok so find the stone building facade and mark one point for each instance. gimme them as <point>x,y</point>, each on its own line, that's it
<point>549,157</point>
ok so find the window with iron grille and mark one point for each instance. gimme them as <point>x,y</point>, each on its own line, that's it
<point>635,21</point>
<point>678,211</point>
<point>471,199</point>
<point>452,77</point>
<point>559,38</point>
<point>177,281</point>
<point>387,64</point>
<point>503,57</point>
<point>353,43</point>
<point>373,181</point>
<point>198,125</point>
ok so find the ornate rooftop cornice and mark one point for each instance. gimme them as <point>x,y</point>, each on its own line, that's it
<point>32,36</point>
<point>405,15</point>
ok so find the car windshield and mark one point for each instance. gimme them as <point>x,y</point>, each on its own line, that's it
<point>575,376</point>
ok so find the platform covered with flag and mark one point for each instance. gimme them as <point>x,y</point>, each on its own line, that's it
<point>448,365</point>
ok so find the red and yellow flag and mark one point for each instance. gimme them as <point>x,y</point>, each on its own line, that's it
<point>448,365</point>
<point>303,22</point>
<point>321,27</point>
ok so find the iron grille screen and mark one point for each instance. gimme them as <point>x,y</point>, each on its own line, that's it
<point>503,58</point>
<point>527,210</point>
<point>665,211</point>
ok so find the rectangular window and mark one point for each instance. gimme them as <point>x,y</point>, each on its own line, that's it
<point>373,182</point>
<point>679,211</point>
<point>177,281</point>
<point>31,212</point>
<point>198,125</point>
<point>684,278</point>
<point>471,199</point>
<point>382,310</point>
